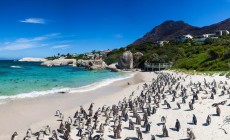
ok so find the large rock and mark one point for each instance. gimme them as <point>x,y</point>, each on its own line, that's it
<point>136,58</point>
<point>113,67</point>
<point>126,61</point>
<point>31,59</point>
<point>92,64</point>
<point>59,62</point>
<point>97,65</point>
<point>83,63</point>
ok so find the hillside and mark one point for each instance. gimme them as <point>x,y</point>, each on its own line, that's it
<point>211,55</point>
<point>168,30</point>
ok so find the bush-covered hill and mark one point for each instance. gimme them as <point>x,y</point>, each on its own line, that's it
<point>211,55</point>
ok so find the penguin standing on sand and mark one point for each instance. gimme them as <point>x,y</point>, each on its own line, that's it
<point>177,125</point>
<point>14,136</point>
<point>194,120</point>
<point>148,126</point>
<point>208,120</point>
<point>218,111</point>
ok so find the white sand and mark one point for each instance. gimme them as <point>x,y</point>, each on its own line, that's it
<point>19,115</point>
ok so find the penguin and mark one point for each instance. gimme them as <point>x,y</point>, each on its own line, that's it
<point>208,120</point>
<point>177,125</point>
<point>194,120</point>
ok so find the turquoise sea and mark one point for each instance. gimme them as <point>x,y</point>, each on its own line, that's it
<point>29,79</point>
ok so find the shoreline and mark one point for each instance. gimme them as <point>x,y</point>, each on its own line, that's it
<point>34,113</point>
<point>66,90</point>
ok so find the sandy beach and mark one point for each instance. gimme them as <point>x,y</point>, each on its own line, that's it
<point>36,113</point>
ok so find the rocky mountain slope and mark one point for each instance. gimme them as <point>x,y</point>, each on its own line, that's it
<point>168,30</point>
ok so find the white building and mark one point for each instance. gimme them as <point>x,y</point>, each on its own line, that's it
<point>183,38</point>
<point>209,35</point>
<point>222,32</point>
<point>161,43</point>
<point>188,36</point>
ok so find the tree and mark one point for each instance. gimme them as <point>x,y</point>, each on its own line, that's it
<point>154,58</point>
<point>213,54</point>
<point>93,51</point>
<point>181,52</point>
<point>68,56</point>
<point>210,41</point>
<point>163,58</point>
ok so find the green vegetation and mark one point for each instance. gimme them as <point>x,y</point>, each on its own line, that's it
<point>210,55</point>
<point>68,56</point>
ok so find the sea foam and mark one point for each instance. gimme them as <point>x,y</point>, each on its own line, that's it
<point>17,67</point>
<point>100,84</point>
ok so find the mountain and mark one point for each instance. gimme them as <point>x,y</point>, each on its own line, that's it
<point>168,30</point>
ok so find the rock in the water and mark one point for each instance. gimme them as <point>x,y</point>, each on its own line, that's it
<point>136,58</point>
<point>83,63</point>
<point>92,64</point>
<point>113,67</point>
<point>97,65</point>
<point>126,61</point>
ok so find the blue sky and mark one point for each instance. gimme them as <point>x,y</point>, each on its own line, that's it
<point>41,28</point>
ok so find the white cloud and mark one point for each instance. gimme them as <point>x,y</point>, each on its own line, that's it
<point>60,47</point>
<point>53,35</point>
<point>118,36</point>
<point>27,43</point>
<point>34,20</point>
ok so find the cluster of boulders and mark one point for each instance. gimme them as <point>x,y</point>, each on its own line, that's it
<point>127,61</point>
<point>136,57</point>
<point>92,64</point>
<point>88,64</point>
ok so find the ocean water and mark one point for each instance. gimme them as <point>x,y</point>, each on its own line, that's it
<point>29,79</point>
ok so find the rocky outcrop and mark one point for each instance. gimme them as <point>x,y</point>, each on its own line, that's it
<point>30,59</point>
<point>92,64</point>
<point>83,63</point>
<point>136,58</point>
<point>126,61</point>
<point>59,62</point>
<point>113,67</point>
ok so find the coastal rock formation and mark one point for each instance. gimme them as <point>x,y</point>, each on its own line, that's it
<point>92,64</point>
<point>113,67</point>
<point>136,58</point>
<point>30,59</point>
<point>83,63</point>
<point>59,62</point>
<point>97,65</point>
<point>126,61</point>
